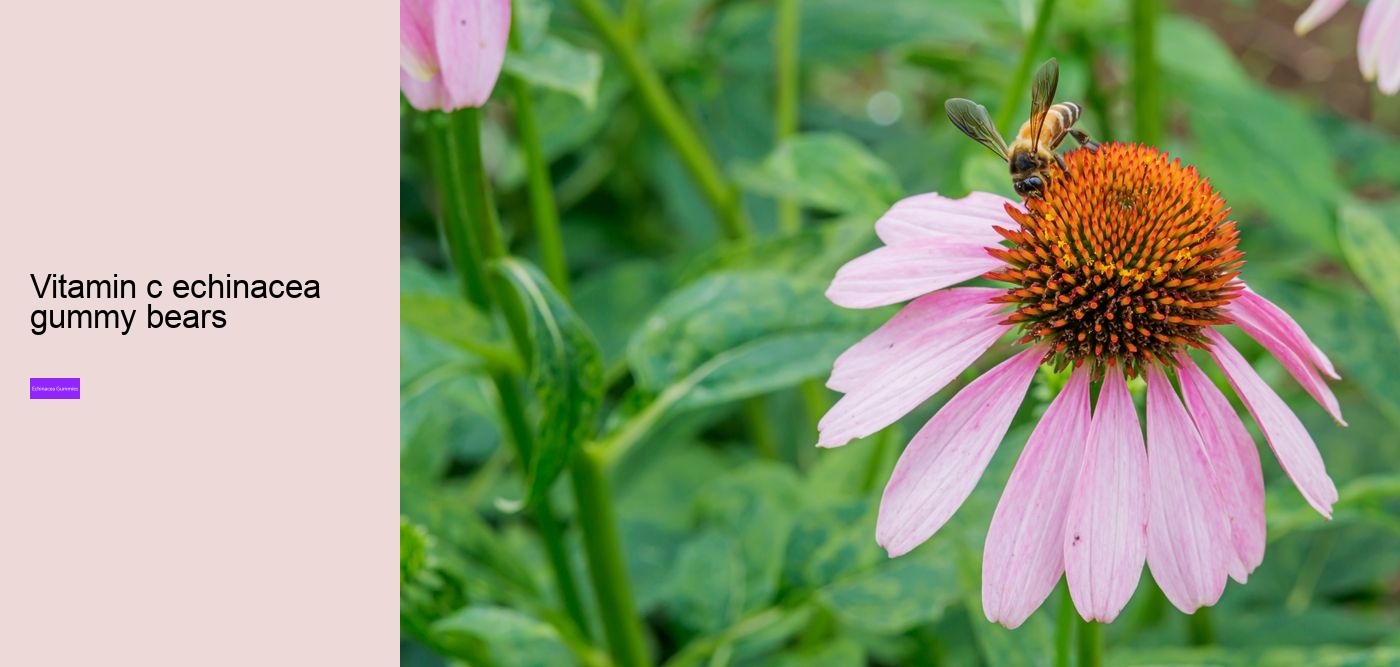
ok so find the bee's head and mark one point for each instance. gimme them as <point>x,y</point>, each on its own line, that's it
<point>1028,187</point>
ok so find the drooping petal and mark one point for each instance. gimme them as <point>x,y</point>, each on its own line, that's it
<point>1234,460</point>
<point>927,364</point>
<point>1188,532</point>
<point>471,37</point>
<point>1299,366</point>
<point>1260,313</point>
<point>417,52</point>
<point>901,272</point>
<point>941,314</point>
<point>423,95</point>
<point>1389,66</point>
<point>1106,531</point>
<point>1378,24</point>
<point>1316,13</point>
<point>933,215</point>
<point>1292,445</point>
<point>947,456</point>
<point>1024,554</point>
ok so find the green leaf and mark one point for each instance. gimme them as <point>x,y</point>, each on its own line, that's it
<point>1211,59</point>
<point>708,584</point>
<point>413,551</point>
<point>566,373</point>
<point>838,652</point>
<point>896,595</point>
<point>725,311</point>
<point>615,301</point>
<point>444,412</point>
<point>503,637</point>
<point>455,322</point>
<point>756,504</point>
<point>558,65</point>
<point>1235,130</point>
<point>1370,239</point>
<point>829,172</point>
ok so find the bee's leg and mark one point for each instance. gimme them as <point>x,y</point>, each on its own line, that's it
<point>1060,160</point>
<point>1083,138</point>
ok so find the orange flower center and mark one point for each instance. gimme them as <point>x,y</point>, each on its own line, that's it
<point>1124,260</point>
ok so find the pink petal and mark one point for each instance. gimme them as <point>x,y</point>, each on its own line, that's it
<point>945,459</point>
<point>1106,531</point>
<point>932,315</point>
<point>1263,314</point>
<point>901,272</point>
<point>1316,13</point>
<point>1377,26</point>
<point>926,364</point>
<point>471,40</point>
<point>423,95</point>
<point>1235,461</point>
<point>933,215</point>
<point>1292,445</point>
<point>417,53</point>
<point>1389,65</point>
<point>1291,356</point>
<point>1025,549</point>
<point>1188,532</point>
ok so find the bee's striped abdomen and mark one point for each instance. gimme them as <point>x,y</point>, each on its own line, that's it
<point>1067,113</point>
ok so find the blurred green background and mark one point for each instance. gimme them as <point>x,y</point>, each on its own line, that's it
<point>743,543</point>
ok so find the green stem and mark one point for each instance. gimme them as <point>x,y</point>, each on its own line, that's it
<point>597,522</point>
<point>543,210</point>
<point>452,220</point>
<point>461,159</point>
<point>603,545</point>
<point>667,114</point>
<point>513,409</point>
<point>1020,84</point>
<point>1147,112</point>
<point>464,159</point>
<point>1095,95</point>
<point>873,465</point>
<point>785,114</point>
<point>760,429</point>
<point>1064,628</point>
<point>1090,644</point>
<point>1200,630</point>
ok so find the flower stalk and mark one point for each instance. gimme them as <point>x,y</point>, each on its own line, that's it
<point>1147,100</point>
<point>785,106</point>
<point>666,113</point>
<point>1022,80</point>
<point>597,520</point>
<point>463,182</point>
<point>1090,643</point>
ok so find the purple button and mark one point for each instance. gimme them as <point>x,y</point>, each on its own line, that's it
<point>54,388</point>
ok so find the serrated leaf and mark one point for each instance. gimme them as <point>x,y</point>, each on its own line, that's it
<point>566,374</point>
<point>1370,239</point>
<point>829,172</point>
<point>558,65</point>
<point>503,637</point>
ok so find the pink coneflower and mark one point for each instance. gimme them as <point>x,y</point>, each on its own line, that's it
<point>1119,269</point>
<point>451,51</point>
<point>1377,42</point>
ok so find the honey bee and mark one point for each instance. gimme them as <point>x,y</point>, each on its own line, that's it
<point>1033,151</point>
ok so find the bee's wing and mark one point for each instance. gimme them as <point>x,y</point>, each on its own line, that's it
<point>972,119</point>
<point>1043,86</point>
